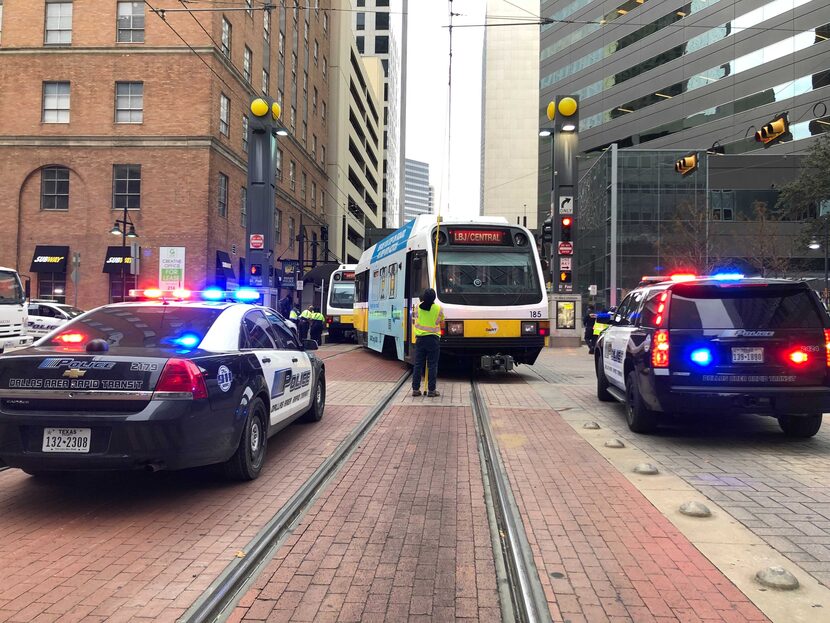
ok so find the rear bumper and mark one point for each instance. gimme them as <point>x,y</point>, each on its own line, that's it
<point>522,349</point>
<point>166,434</point>
<point>739,400</point>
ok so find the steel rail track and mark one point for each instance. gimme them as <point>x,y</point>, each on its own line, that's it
<point>528,601</point>
<point>226,590</point>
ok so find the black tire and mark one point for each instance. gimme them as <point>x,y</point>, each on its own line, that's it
<point>46,474</point>
<point>640,418</point>
<point>246,463</point>
<point>800,426</point>
<point>318,402</point>
<point>602,382</point>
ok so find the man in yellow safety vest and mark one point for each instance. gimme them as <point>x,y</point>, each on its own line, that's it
<point>305,322</point>
<point>428,320</point>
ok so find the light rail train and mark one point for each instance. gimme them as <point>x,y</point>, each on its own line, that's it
<point>489,283</point>
<point>340,303</point>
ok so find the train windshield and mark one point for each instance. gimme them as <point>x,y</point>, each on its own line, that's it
<point>342,295</point>
<point>499,278</point>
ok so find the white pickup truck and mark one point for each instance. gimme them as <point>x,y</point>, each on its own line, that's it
<point>13,311</point>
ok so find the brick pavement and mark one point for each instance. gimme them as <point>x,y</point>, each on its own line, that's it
<point>401,534</point>
<point>603,552</point>
<point>142,547</point>
<point>778,488</point>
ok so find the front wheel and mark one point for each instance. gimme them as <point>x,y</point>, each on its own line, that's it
<point>318,402</point>
<point>246,463</point>
<point>800,426</point>
<point>602,383</point>
<point>640,418</point>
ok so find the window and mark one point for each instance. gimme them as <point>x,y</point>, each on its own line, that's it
<point>1,19</point>
<point>290,232</point>
<point>54,188</point>
<point>226,37</point>
<point>283,336</point>
<point>244,134</point>
<point>246,63</point>
<point>55,102</point>
<point>281,44</point>
<point>314,100</point>
<point>256,332</point>
<point>292,175</point>
<point>130,22</point>
<point>382,44</point>
<point>316,49</point>
<point>325,22</point>
<point>266,24</point>
<point>120,291</point>
<point>304,135</point>
<point>314,195</point>
<point>323,111</point>
<point>293,119</point>
<point>126,186</point>
<point>361,21</point>
<point>223,195</point>
<point>278,164</point>
<point>305,32</point>
<point>361,2</point>
<point>51,287</point>
<point>304,186</point>
<point>360,44</point>
<point>243,206</point>
<point>381,21</point>
<point>322,196</point>
<point>224,114</point>
<point>249,4</point>
<point>265,82</point>
<point>58,23</point>
<point>322,154</point>
<point>313,146</point>
<point>325,69</point>
<point>277,226</point>
<point>129,102</point>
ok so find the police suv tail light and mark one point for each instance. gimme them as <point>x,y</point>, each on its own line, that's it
<point>182,376</point>
<point>827,347</point>
<point>798,356</point>
<point>529,328</point>
<point>454,327</point>
<point>660,349</point>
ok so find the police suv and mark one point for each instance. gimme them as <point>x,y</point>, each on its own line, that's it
<point>722,344</point>
<point>158,384</point>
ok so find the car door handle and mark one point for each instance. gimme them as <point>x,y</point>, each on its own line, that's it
<point>294,360</point>
<point>266,360</point>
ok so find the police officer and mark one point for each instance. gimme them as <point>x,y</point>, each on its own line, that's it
<point>588,324</point>
<point>599,326</point>
<point>317,323</point>
<point>305,322</point>
<point>428,320</point>
<point>294,314</point>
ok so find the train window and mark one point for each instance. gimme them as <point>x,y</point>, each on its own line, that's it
<point>361,287</point>
<point>419,277</point>
<point>500,278</point>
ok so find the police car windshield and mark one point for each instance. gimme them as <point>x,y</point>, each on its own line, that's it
<point>752,307</point>
<point>165,326</point>
<point>342,295</point>
<point>487,278</point>
<point>11,292</point>
<point>71,311</point>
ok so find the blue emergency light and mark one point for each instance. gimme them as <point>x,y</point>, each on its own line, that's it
<point>246,295</point>
<point>701,356</point>
<point>188,340</point>
<point>213,294</point>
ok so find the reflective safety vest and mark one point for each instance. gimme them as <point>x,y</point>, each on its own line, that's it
<point>292,315</point>
<point>428,322</point>
<point>318,316</point>
<point>599,327</point>
<point>306,313</point>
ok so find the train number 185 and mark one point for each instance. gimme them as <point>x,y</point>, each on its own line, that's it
<point>535,314</point>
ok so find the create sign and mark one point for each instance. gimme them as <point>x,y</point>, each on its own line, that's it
<point>477,236</point>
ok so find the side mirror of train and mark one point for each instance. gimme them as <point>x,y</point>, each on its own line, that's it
<point>310,345</point>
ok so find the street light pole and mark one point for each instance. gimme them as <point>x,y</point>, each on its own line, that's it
<point>124,255</point>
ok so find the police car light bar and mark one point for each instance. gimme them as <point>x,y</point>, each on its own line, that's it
<point>155,293</point>
<point>242,295</point>
<point>679,277</point>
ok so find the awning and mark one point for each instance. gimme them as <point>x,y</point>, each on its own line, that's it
<point>49,259</point>
<point>224,268</point>
<point>117,257</point>
<point>321,272</point>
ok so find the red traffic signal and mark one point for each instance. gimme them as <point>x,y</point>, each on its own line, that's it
<point>565,226</point>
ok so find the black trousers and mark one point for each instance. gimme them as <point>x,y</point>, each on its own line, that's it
<point>316,331</point>
<point>302,327</point>
<point>427,349</point>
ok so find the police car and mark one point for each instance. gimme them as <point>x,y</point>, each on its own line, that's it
<point>45,316</point>
<point>163,383</point>
<point>721,344</point>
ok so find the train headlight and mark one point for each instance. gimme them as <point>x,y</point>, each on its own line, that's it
<point>529,328</point>
<point>455,327</point>
<point>335,319</point>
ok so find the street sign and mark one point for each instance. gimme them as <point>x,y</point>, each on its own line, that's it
<point>566,248</point>
<point>171,268</point>
<point>564,263</point>
<point>566,204</point>
<point>592,290</point>
<point>566,287</point>
<point>257,241</point>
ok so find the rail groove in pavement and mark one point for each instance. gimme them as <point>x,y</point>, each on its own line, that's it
<point>229,587</point>
<point>529,603</point>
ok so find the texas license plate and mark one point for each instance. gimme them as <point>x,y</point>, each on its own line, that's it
<point>747,355</point>
<point>66,439</point>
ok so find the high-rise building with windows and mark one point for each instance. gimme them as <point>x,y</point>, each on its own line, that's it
<point>693,74</point>
<point>376,35</point>
<point>120,113</point>
<point>418,194</point>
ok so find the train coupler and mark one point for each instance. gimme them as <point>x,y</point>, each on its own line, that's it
<point>497,363</point>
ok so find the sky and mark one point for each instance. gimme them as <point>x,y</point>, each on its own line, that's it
<point>456,186</point>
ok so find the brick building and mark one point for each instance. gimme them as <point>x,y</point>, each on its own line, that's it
<point>104,106</point>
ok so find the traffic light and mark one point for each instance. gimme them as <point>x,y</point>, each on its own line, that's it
<point>565,276</point>
<point>565,226</point>
<point>687,164</point>
<point>774,131</point>
<point>547,230</point>
<point>256,270</point>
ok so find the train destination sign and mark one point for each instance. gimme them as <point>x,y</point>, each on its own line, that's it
<point>477,236</point>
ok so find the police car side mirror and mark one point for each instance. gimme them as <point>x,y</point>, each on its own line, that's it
<point>310,345</point>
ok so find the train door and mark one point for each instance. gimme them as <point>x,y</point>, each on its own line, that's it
<point>417,280</point>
